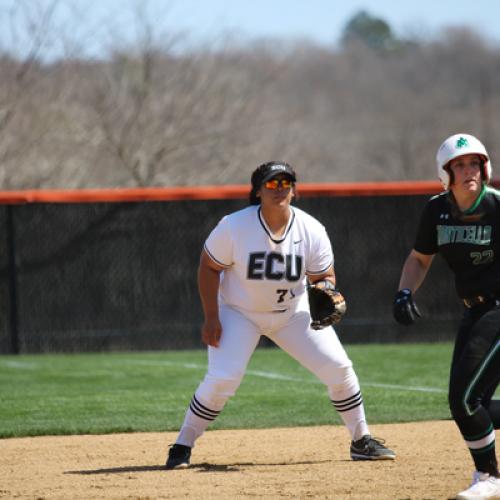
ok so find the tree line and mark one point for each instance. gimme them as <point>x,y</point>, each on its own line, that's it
<point>373,108</point>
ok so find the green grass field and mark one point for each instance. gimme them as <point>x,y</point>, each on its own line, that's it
<point>149,391</point>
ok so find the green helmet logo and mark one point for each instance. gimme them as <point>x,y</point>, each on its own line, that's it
<point>462,142</point>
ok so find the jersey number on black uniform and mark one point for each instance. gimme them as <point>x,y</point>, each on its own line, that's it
<point>483,257</point>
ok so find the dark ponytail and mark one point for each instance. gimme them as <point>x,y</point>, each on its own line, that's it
<point>253,198</point>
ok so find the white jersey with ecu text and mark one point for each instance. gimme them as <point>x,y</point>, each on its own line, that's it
<point>262,273</point>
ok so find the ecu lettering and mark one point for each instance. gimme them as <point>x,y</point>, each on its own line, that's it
<point>274,266</point>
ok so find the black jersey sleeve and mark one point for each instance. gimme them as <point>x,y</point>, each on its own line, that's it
<point>426,240</point>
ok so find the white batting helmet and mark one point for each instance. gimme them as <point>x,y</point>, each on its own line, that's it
<point>459,145</point>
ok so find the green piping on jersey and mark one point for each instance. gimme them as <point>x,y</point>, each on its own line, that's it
<point>493,191</point>
<point>479,199</point>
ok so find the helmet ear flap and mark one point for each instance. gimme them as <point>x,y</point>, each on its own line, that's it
<point>451,177</point>
<point>485,169</point>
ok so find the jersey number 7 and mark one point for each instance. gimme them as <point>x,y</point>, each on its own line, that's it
<point>282,294</point>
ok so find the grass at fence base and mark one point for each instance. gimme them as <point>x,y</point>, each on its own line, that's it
<point>150,391</point>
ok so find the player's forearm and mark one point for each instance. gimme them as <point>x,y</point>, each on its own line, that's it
<point>414,272</point>
<point>328,275</point>
<point>208,286</point>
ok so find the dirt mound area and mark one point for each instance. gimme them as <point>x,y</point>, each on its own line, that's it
<point>306,462</point>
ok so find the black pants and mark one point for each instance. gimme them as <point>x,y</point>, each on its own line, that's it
<point>474,377</point>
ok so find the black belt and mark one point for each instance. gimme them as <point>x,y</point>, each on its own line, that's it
<point>470,302</point>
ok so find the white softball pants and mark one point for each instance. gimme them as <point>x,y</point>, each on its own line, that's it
<point>320,351</point>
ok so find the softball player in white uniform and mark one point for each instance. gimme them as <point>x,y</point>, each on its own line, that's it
<point>252,282</point>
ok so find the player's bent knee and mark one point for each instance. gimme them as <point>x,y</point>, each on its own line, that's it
<point>216,391</point>
<point>459,407</point>
<point>337,376</point>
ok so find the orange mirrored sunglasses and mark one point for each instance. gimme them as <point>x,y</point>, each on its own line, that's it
<point>276,183</point>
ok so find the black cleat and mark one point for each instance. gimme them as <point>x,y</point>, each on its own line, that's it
<point>369,448</point>
<point>178,457</point>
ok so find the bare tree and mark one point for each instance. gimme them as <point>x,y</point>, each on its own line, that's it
<point>28,28</point>
<point>156,109</point>
<point>150,111</point>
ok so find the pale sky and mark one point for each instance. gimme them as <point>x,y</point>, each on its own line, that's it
<point>321,21</point>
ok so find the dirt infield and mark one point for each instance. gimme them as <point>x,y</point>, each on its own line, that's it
<point>299,463</point>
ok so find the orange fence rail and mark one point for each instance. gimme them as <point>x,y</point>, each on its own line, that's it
<point>216,192</point>
<point>212,192</point>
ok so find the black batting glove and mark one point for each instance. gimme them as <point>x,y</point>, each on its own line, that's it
<point>404,309</point>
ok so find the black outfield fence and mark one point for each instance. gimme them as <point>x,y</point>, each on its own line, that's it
<point>121,275</point>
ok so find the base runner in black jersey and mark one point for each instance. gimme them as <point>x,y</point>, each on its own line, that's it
<point>463,225</point>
